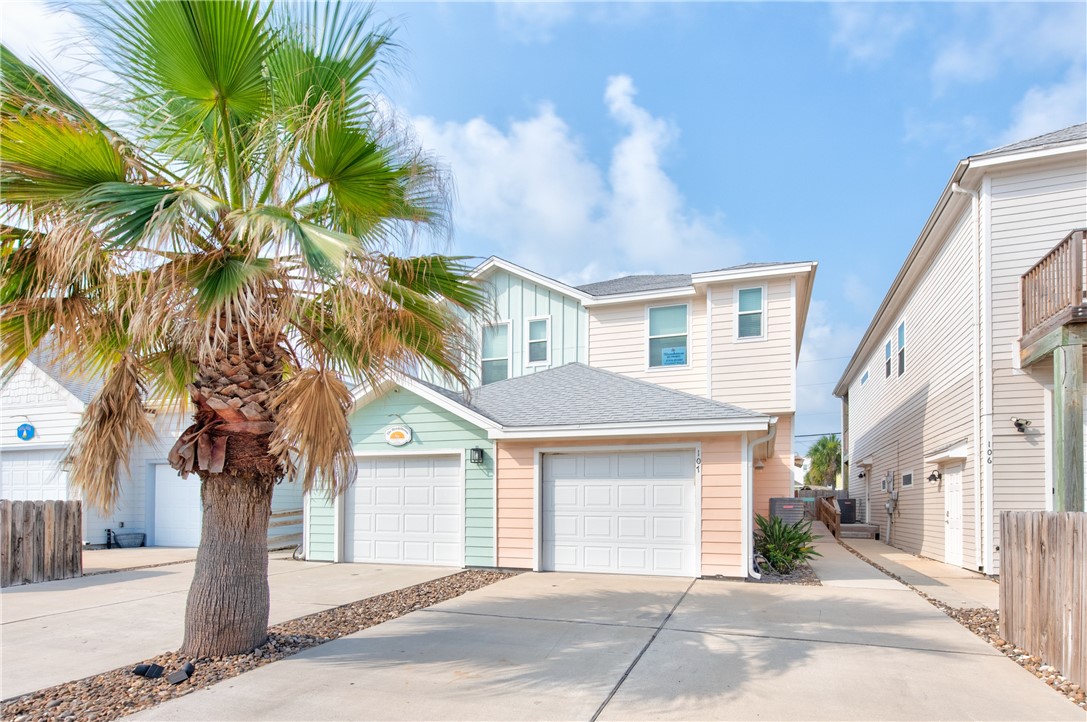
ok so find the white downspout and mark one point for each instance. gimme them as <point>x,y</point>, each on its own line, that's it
<point>979,324</point>
<point>747,494</point>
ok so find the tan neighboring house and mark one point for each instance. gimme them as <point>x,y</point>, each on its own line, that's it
<point>948,400</point>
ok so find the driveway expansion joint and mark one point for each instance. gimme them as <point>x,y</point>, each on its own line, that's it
<point>539,619</point>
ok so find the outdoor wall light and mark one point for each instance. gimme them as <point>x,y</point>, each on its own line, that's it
<point>862,475</point>
<point>1020,424</point>
<point>935,477</point>
<point>475,455</point>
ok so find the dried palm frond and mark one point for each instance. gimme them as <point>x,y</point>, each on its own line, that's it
<point>312,436</point>
<point>113,421</point>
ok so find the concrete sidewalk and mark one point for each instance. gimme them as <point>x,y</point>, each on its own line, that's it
<point>98,561</point>
<point>954,586</point>
<point>571,646</point>
<point>61,631</point>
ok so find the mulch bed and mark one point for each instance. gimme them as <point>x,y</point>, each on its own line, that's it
<point>119,692</point>
<point>802,575</point>
<point>985,623</point>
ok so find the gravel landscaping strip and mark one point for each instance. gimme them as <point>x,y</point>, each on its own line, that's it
<point>803,575</point>
<point>119,692</point>
<point>985,623</point>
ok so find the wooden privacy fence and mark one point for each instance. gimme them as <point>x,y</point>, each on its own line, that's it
<point>1043,587</point>
<point>40,541</point>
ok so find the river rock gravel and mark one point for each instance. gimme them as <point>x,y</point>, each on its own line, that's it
<point>985,623</point>
<point>119,692</point>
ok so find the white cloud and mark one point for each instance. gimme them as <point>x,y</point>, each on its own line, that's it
<point>869,33</point>
<point>532,22</point>
<point>532,193</point>
<point>1050,108</point>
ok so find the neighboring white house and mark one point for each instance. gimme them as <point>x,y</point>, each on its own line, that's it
<point>47,403</point>
<point>942,421</point>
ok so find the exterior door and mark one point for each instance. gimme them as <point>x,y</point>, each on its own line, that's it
<point>405,510</point>
<point>953,515</point>
<point>624,513</point>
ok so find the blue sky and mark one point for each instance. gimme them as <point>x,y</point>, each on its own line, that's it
<point>591,140</point>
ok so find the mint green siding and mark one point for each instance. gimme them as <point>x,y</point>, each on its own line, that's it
<point>433,428</point>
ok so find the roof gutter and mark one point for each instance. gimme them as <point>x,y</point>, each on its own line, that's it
<point>640,428</point>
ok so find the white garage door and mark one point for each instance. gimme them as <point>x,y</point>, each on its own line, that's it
<point>32,476</point>
<point>405,511</point>
<point>177,508</point>
<point>629,513</point>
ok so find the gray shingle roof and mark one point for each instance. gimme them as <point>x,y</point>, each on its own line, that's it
<point>82,386</point>
<point>576,394</point>
<point>635,284</point>
<point>1070,134</point>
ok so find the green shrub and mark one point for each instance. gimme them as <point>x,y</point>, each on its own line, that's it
<point>784,546</point>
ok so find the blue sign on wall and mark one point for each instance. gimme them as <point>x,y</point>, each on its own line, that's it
<point>25,432</point>
<point>674,356</point>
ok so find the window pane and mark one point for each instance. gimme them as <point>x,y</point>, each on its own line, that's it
<point>667,320</point>
<point>537,351</point>
<point>494,371</point>
<point>537,330</point>
<point>902,334</point>
<point>902,362</point>
<point>750,325</point>
<point>494,341</point>
<point>750,299</point>
<point>668,351</point>
<point>887,350</point>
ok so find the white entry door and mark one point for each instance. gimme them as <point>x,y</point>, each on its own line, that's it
<point>953,515</point>
<point>405,510</point>
<point>32,475</point>
<point>178,513</point>
<point>625,513</point>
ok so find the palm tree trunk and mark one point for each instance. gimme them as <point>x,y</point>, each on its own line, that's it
<point>227,611</point>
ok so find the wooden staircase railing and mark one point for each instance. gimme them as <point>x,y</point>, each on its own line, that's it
<point>827,511</point>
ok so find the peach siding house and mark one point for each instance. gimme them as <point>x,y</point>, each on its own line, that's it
<point>943,409</point>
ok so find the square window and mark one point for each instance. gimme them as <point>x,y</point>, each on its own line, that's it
<point>749,313</point>
<point>668,336</point>
<point>907,479</point>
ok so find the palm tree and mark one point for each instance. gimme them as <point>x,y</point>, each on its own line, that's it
<point>226,244</point>
<point>825,454</point>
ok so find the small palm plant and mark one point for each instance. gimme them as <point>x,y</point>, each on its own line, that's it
<point>784,546</point>
<point>224,244</point>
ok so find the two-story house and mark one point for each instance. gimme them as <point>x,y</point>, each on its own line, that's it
<point>949,399</point>
<point>630,426</point>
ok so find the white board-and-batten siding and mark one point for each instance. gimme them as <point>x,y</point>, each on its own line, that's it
<point>896,421</point>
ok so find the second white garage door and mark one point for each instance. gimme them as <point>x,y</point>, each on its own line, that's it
<point>405,510</point>
<point>32,475</point>
<point>178,512</point>
<point>628,513</point>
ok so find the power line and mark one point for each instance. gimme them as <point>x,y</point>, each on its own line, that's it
<point>805,436</point>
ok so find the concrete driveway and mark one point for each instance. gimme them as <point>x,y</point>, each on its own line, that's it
<point>61,631</point>
<point>566,646</point>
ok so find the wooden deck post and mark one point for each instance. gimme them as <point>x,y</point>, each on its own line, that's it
<point>1068,426</point>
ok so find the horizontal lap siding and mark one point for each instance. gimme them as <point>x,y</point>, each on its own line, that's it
<point>433,428</point>
<point>721,478</point>
<point>1031,212</point>
<point>775,479</point>
<point>756,375</point>
<point>619,342</point>
<point>898,420</point>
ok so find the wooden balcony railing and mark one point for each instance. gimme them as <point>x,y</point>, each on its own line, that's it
<point>1052,291</point>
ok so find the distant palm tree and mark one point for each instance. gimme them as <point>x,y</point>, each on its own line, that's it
<point>825,455</point>
<point>224,243</point>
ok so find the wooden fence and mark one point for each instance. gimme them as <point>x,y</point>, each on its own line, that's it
<point>40,541</point>
<point>1043,587</point>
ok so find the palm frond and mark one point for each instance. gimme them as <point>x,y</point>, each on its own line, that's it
<point>112,423</point>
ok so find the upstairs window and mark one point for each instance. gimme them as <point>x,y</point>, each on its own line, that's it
<point>749,313</point>
<point>539,346</point>
<point>668,336</point>
<point>496,353</point>
<point>864,379</point>
<point>901,348</point>
<point>887,359</point>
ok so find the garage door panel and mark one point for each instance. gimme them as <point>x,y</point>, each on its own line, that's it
<point>33,475</point>
<point>630,522</point>
<point>178,512</point>
<point>406,511</point>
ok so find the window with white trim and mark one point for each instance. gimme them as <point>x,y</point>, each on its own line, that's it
<point>864,378</point>
<point>537,341</point>
<point>887,359</point>
<point>668,336</point>
<point>907,479</point>
<point>495,353</point>
<point>901,348</point>
<point>749,313</point>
